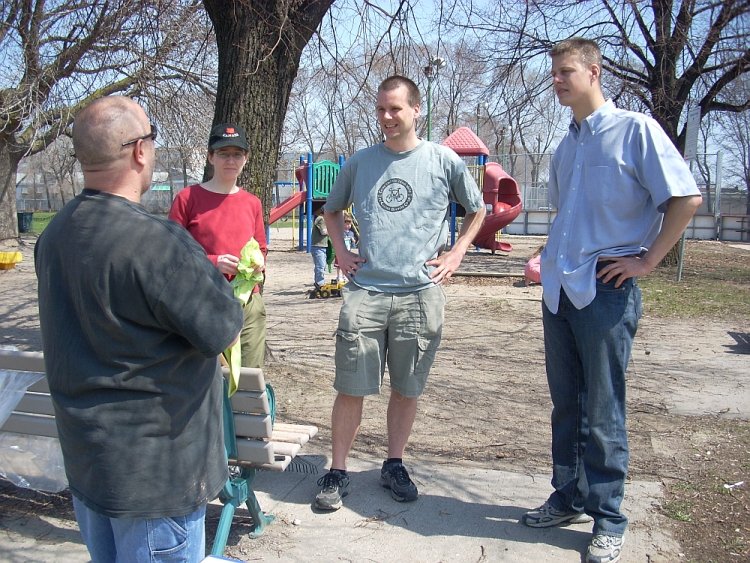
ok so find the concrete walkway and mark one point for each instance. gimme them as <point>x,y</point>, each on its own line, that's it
<point>465,513</point>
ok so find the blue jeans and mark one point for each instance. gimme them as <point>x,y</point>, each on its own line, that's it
<point>587,353</point>
<point>319,259</point>
<point>142,540</point>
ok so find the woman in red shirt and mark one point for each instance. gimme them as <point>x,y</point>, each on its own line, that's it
<point>223,217</point>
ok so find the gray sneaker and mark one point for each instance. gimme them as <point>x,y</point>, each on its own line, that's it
<point>394,476</point>
<point>547,516</point>
<point>605,549</point>
<point>335,486</point>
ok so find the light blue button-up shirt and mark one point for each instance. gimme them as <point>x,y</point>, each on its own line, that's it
<point>610,179</point>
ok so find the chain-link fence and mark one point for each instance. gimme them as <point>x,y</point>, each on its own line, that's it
<point>723,213</point>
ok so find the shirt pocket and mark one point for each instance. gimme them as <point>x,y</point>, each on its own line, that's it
<point>598,182</point>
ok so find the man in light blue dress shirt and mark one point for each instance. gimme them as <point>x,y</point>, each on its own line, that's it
<point>624,195</point>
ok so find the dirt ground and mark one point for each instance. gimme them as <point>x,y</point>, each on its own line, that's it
<point>487,398</point>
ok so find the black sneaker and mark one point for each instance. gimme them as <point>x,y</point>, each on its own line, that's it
<point>394,476</point>
<point>335,486</point>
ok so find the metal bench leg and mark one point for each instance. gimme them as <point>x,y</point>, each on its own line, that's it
<point>260,519</point>
<point>231,497</point>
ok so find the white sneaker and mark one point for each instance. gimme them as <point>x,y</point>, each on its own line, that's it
<point>547,515</point>
<point>605,549</point>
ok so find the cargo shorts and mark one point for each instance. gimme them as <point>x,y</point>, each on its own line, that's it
<point>399,330</point>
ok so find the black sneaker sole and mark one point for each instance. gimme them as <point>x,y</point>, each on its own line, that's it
<point>331,507</point>
<point>399,498</point>
<point>581,518</point>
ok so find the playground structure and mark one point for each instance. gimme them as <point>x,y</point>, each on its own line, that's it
<point>321,176</point>
<point>500,192</point>
<point>503,200</point>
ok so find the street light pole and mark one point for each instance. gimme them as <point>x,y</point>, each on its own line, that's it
<point>431,71</point>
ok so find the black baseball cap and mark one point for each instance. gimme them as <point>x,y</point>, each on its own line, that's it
<point>227,135</point>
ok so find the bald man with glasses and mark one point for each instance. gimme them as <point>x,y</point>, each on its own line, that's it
<point>133,317</point>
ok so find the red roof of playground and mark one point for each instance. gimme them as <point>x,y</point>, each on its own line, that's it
<point>466,143</point>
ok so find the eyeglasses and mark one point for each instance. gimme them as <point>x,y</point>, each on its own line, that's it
<point>151,135</point>
<point>240,155</point>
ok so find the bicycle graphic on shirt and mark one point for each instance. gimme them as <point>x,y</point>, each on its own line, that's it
<point>395,195</point>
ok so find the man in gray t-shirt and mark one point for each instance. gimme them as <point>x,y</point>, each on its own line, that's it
<point>393,306</point>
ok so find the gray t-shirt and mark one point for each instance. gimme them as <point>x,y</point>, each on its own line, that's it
<point>402,203</point>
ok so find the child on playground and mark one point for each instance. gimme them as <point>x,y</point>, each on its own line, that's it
<point>319,248</point>
<point>351,238</point>
<point>532,272</point>
<point>223,217</point>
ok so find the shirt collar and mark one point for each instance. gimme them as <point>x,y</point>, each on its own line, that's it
<point>593,121</point>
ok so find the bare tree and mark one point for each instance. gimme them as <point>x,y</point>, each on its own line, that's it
<point>186,115</point>
<point>341,85</point>
<point>61,55</point>
<point>736,143</point>
<point>359,44</point>
<point>705,163</point>
<point>662,55</point>
<point>260,43</point>
<point>311,115</point>
<point>57,167</point>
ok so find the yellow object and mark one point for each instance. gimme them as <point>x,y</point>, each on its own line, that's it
<point>8,260</point>
<point>329,289</point>
<point>233,359</point>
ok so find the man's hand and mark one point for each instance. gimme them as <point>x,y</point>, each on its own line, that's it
<point>349,263</point>
<point>445,264</point>
<point>623,268</point>
<point>448,262</point>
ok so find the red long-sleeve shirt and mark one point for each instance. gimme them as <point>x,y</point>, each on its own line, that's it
<point>221,223</point>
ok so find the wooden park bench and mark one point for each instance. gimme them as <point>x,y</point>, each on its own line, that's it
<point>253,440</point>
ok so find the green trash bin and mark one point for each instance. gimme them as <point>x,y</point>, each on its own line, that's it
<point>24,222</point>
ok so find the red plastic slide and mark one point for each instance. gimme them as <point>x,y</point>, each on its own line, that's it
<point>502,194</point>
<point>286,206</point>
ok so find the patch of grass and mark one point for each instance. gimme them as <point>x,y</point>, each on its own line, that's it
<point>683,487</point>
<point>715,284</point>
<point>40,220</point>
<point>735,546</point>
<point>286,222</point>
<point>678,510</point>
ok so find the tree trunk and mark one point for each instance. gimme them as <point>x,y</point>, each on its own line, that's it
<point>47,193</point>
<point>184,173</point>
<point>259,45</point>
<point>673,256</point>
<point>8,169</point>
